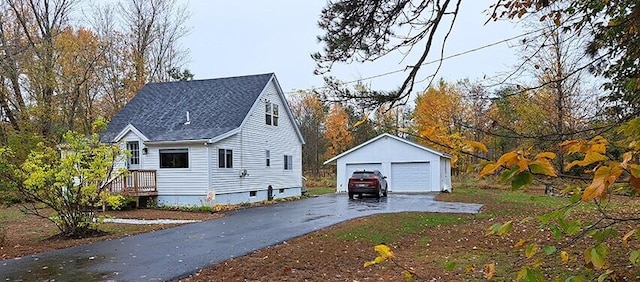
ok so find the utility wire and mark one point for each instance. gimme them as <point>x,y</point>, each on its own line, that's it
<point>438,60</point>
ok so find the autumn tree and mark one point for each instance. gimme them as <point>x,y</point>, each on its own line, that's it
<point>310,114</point>
<point>438,117</point>
<point>337,131</point>
<point>33,26</point>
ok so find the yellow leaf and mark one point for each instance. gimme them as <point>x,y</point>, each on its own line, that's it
<point>564,256</point>
<point>384,251</point>
<point>531,250</point>
<point>625,238</point>
<point>470,268</point>
<point>546,155</point>
<point>364,119</point>
<point>589,158</point>
<point>626,157</point>
<point>522,163</point>
<point>542,166</point>
<point>488,169</point>
<point>572,146</point>
<point>489,270</point>
<point>407,275</point>
<point>520,244</point>
<point>473,145</point>
<point>369,263</point>
<point>508,159</point>
<point>598,144</point>
<point>602,179</point>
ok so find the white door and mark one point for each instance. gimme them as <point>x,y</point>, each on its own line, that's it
<point>410,177</point>
<point>353,167</point>
<point>133,162</point>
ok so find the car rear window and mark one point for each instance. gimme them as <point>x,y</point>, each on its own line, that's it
<point>363,174</point>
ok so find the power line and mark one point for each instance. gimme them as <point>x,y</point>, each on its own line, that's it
<point>438,60</point>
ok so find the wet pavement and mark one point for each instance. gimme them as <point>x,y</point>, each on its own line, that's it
<point>177,252</point>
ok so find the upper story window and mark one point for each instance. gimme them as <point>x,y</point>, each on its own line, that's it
<point>225,158</point>
<point>271,114</point>
<point>134,148</point>
<point>174,158</point>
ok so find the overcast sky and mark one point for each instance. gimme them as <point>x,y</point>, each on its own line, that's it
<point>231,38</point>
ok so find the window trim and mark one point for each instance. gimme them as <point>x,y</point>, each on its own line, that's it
<point>174,150</point>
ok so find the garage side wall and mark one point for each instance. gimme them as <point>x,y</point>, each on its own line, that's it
<point>383,153</point>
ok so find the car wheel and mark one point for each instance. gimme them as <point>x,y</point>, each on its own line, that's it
<point>350,195</point>
<point>379,192</point>
<point>384,194</point>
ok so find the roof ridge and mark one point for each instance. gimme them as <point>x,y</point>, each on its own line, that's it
<point>210,79</point>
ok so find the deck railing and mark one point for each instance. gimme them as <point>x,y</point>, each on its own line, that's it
<point>134,183</point>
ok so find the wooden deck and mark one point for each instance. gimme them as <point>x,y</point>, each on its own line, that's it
<point>135,183</point>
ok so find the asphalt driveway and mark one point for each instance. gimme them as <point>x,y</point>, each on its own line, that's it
<point>177,252</point>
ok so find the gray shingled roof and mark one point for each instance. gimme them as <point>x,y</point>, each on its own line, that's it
<point>215,106</point>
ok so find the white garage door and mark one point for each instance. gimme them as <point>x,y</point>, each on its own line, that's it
<point>410,177</point>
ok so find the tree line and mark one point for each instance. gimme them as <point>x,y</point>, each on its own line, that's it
<point>64,63</point>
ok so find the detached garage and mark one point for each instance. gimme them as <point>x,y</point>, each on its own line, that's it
<point>409,167</point>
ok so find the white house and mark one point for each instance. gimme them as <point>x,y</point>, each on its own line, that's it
<point>409,167</point>
<point>204,142</point>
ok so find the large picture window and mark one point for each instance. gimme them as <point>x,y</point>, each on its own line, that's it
<point>288,162</point>
<point>225,158</point>
<point>174,158</point>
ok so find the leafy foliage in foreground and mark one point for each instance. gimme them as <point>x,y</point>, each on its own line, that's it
<point>602,231</point>
<point>69,179</point>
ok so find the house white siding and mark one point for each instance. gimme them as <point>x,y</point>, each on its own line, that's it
<point>249,153</point>
<point>408,168</point>
<point>130,137</point>
<point>180,186</point>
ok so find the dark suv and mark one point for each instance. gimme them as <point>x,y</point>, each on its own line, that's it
<point>367,182</point>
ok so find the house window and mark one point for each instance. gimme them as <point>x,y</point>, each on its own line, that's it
<point>281,190</point>
<point>268,157</point>
<point>271,114</point>
<point>253,193</point>
<point>174,158</point>
<point>267,114</point>
<point>288,162</point>
<point>275,114</point>
<point>134,149</point>
<point>225,158</point>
